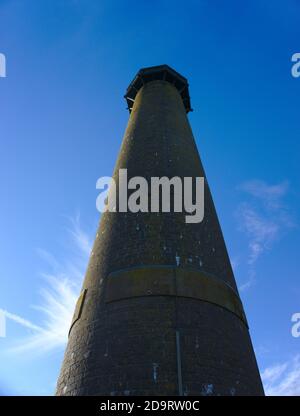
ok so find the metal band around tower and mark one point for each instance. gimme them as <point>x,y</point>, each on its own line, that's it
<point>173,281</point>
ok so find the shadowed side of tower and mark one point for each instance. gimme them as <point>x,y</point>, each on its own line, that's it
<point>159,312</point>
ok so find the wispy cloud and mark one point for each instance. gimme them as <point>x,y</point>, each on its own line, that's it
<point>234,263</point>
<point>283,379</point>
<point>263,218</point>
<point>261,230</point>
<point>58,294</point>
<point>21,321</point>
<point>80,237</point>
<point>270,195</point>
<point>251,279</point>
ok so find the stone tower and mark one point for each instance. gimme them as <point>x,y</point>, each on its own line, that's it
<point>159,312</point>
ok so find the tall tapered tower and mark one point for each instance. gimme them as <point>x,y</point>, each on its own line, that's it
<point>159,312</point>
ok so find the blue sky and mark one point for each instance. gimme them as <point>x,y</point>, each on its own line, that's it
<point>61,123</point>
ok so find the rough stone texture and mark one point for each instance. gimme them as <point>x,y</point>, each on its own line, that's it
<point>128,347</point>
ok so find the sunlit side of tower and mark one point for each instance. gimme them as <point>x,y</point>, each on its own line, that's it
<point>159,312</point>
